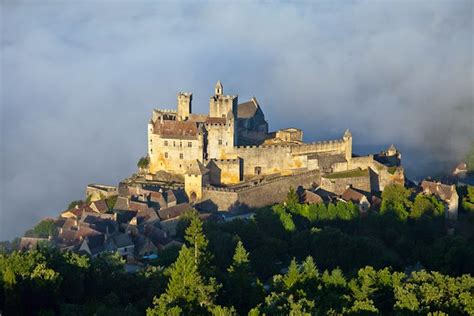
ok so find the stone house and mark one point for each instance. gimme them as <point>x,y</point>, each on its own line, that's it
<point>446,193</point>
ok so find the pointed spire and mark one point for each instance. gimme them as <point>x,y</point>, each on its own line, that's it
<point>347,134</point>
<point>219,90</point>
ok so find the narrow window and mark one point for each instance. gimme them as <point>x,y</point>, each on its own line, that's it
<point>180,156</point>
<point>166,155</point>
<point>190,144</point>
<point>220,141</point>
<point>166,143</point>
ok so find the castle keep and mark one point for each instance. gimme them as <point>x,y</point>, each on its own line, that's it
<point>230,150</point>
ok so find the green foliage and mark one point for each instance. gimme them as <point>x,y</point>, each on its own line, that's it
<point>468,200</point>
<point>291,198</point>
<point>395,200</point>
<point>143,162</point>
<point>45,228</point>
<point>187,291</point>
<point>111,201</point>
<point>75,203</point>
<point>285,217</point>
<point>426,204</point>
<point>470,159</point>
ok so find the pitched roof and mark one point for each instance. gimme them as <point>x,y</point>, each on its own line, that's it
<point>444,191</point>
<point>174,211</point>
<point>197,168</point>
<point>353,195</point>
<point>247,109</point>
<point>311,197</point>
<point>170,128</point>
<point>122,240</point>
<point>99,206</point>
<point>170,197</point>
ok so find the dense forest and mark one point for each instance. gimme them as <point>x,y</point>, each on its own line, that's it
<point>290,259</point>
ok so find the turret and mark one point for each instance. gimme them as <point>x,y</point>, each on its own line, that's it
<point>221,104</point>
<point>219,89</point>
<point>184,105</point>
<point>347,137</point>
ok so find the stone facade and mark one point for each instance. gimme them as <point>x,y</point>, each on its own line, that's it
<point>233,144</point>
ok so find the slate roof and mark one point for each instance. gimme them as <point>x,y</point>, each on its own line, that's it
<point>122,240</point>
<point>174,211</point>
<point>247,109</point>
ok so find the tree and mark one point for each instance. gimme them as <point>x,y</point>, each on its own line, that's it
<point>395,200</point>
<point>45,229</point>
<point>198,242</point>
<point>187,292</point>
<point>143,162</point>
<point>426,204</point>
<point>291,198</point>
<point>75,203</point>
<point>242,289</point>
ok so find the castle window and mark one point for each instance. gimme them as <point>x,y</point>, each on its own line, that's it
<point>180,144</point>
<point>220,141</point>
<point>190,144</point>
<point>151,150</point>
<point>166,155</point>
<point>166,143</point>
<point>181,156</point>
<point>174,144</point>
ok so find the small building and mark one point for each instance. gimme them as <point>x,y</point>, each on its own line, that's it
<point>446,193</point>
<point>358,198</point>
<point>100,191</point>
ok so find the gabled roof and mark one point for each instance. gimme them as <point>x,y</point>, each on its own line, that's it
<point>443,191</point>
<point>310,197</point>
<point>99,206</point>
<point>170,128</point>
<point>353,195</point>
<point>197,168</point>
<point>174,211</point>
<point>122,240</point>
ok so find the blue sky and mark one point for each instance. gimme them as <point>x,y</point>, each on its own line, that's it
<point>79,81</point>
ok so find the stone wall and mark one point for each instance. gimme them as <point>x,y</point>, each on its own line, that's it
<point>259,195</point>
<point>227,171</point>
<point>339,185</point>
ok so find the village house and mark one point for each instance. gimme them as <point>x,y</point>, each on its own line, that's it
<point>446,193</point>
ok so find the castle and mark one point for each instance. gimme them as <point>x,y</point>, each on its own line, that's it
<point>230,150</point>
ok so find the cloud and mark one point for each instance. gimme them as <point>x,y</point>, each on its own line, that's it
<point>79,80</point>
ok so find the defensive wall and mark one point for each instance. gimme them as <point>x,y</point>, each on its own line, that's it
<point>261,194</point>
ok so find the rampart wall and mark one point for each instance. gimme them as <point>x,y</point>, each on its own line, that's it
<point>259,195</point>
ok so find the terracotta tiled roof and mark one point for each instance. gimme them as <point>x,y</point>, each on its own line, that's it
<point>352,195</point>
<point>169,128</point>
<point>311,197</point>
<point>215,120</point>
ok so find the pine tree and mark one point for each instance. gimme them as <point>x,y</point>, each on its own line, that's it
<point>198,242</point>
<point>242,288</point>
<point>187,292</point>
<point>293,275</point>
